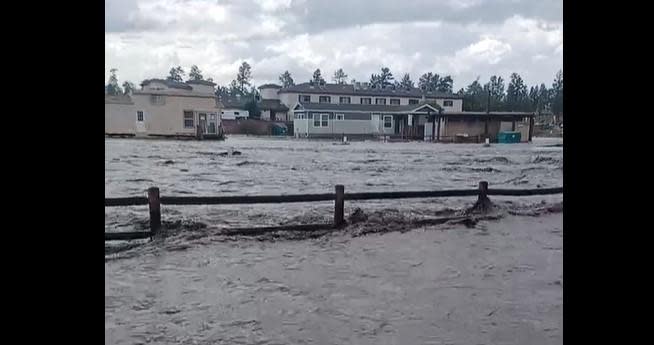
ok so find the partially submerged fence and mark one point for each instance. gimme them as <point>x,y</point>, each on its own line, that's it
<point>154,201</point>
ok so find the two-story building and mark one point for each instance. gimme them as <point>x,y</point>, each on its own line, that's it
<point>358,110</point>
<point>165,108</point>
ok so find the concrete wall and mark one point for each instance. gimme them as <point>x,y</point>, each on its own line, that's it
<point>168,119</point>
<point>119,118</point>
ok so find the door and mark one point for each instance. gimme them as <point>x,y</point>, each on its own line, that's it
<point>375,123</point>
<point>212,124</point>
<point>202,122</point>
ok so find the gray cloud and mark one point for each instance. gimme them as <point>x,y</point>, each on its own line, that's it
<point>463,38</point>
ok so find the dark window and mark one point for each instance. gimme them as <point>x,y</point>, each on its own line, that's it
<point>366,101</point>
<point>381,101</point>
<point>448,103</point>
<point>388,121</point>
<point>236,113</point>
<point>339,117</point>
<point>325,120</point>
<point>344,100</point>
<point>305,98</point>
<point>139,116</point>
<point>395,101</point>
<point>414,101</point>
<point>316,120</point>
<point>188,119</point>
<point>324,99</point>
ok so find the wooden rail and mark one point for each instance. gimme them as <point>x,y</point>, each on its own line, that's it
<point>154,202</point>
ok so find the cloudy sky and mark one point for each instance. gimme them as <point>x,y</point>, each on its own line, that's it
<point>463,38</point>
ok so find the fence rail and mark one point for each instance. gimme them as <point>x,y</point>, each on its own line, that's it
<point>154,201</point>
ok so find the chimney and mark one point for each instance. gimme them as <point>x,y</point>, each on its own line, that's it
<point>357,85</point>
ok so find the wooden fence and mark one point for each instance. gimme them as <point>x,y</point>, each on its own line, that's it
<point>154,201</point>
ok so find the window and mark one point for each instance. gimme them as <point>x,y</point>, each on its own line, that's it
<point>388,121</point>
<point>344,100</point>
<point>139,116</point>
<point>236,113</point>
<point>304,98</point>
<point>448,103</point>
<point>324,99</point>
<point>157,100</point>
<point>366,101</point>
<point>321,120</point>
<point>188,119</point>
<point>381,101</point>
<point>340,117</point>
<point>414,101</point>
<point>395,101</point>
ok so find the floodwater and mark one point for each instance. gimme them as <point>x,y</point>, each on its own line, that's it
<point>493,282</point>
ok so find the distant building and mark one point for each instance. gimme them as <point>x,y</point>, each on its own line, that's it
<point>271,107</point>
<point>334,110</point>
<point>165,108</point>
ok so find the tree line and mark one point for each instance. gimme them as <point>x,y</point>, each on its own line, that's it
<point>494,95</point>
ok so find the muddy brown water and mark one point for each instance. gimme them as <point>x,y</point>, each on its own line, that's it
<point>496,282</point>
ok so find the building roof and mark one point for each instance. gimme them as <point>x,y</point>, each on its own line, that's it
<point>349,89</point>
<point>270,86</point>
<point>201,82</point>
<point>169,83</point>
<point>371,108</point>
<point>272,104</point>
<point>117,99</point>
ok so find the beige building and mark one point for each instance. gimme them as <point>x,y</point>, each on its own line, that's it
<point>165,108</point>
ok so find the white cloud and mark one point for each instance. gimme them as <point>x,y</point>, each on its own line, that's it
<point>273,5</point>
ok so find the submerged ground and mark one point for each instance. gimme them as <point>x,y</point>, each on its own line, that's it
<point>493,282</point>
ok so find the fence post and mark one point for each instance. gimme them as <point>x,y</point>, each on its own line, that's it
<point>155,209</point>
<point>339,205</point>
<point>483,203</point>
<point>483,191</point>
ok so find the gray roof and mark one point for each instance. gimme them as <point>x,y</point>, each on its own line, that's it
<point>272,104</point>
<point>201,82</point>
<point>349,89</point>
<point>373,108</point>
<point>168,83</point>
<point>270,86</point>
